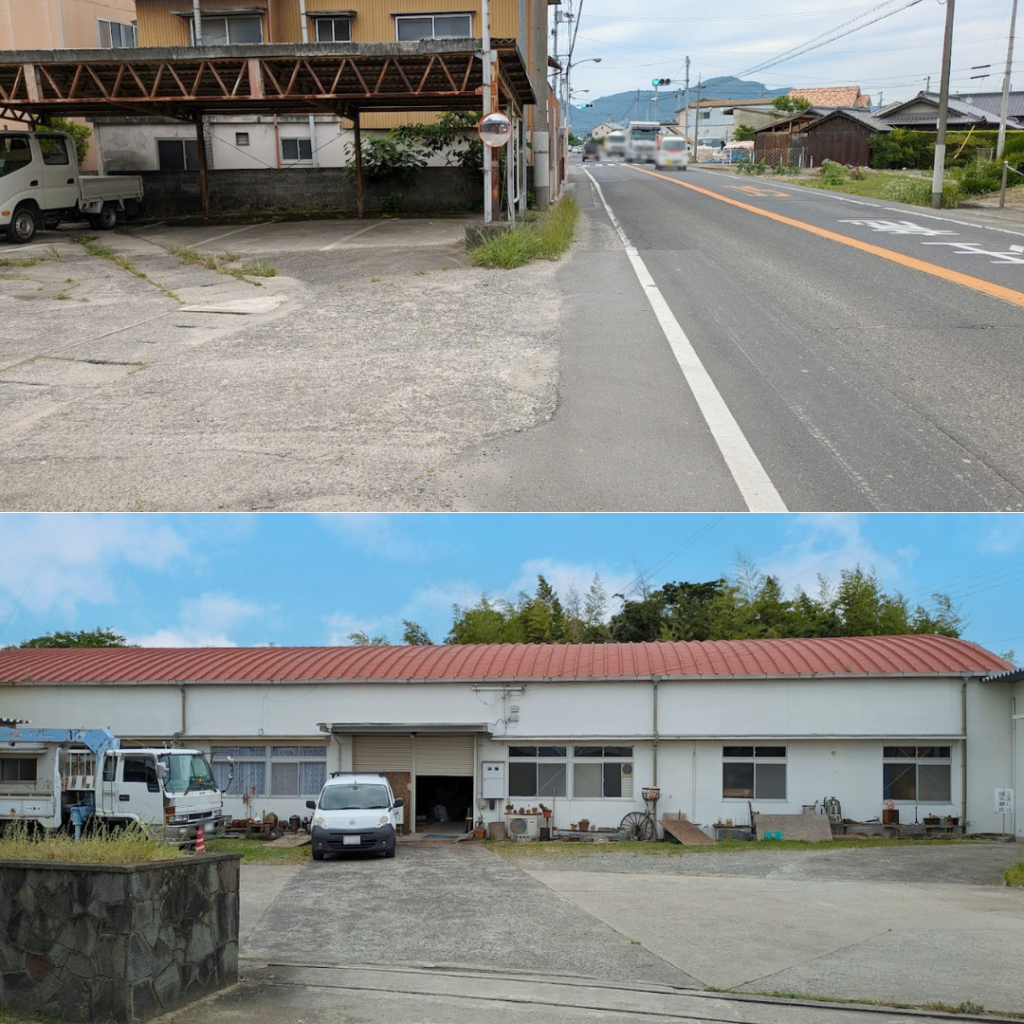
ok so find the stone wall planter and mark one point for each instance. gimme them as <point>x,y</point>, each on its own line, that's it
<point>99,942</point>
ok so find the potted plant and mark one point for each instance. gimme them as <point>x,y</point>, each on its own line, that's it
<point>546,811</point>
<point>509,807</point>
<point>584,824</point>
<point>952,820</point>
<point>572,825</point>
<point>481,829</point>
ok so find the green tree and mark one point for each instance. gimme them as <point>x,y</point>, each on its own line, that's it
<point>80,135</point>
<point>743,132</point>
<point>415,635</point>
<point>82,638</point>
<point>362,639</point>
<point>790,104</point>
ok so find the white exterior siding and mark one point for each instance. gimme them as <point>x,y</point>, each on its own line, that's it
<point>834,731</point>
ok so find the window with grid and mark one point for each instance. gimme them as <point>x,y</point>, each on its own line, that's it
<point>250,770</point>
<point>178,154</point>
<point>116,34</point>
<point>333,30</point>
<point>434,26</point>
<point>922,774</point>
<point>534,771</point>
<point>297,771</point>
<point>754,773</point>
<point>296,150</point>
<point>602,772</point>
<point>229,31</point>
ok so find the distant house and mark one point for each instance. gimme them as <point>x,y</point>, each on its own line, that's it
<point>993,102</point>
<point>922,113</point>
<point>714,118</point>
<point>833,96</point>
<point>602,130</point>
<point>842,135</point>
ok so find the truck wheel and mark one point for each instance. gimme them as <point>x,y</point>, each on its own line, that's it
<point>106,220</point>
<point>23,225</point>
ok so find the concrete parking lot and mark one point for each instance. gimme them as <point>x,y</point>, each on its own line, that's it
<point>142,379</point>
<point>458,933</point>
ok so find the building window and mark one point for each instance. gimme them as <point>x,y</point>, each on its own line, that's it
<point>17,769</point>
<point>116,34</point>
<point>296,150</point>
<point>178,154</point>
<point>297,771</point>
<point>249,770</point>
<point>241,138</point>
<point>333,30</point>
<point>754,773</point>
<point>434,26</point>
<point>532,772</point>
<point>922,774</point>
<point>705,115</point>
<point>600,771</point>
<point>597,771</point>
<point>229,31</point>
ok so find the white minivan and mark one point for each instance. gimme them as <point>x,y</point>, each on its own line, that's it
<point>355,813</point>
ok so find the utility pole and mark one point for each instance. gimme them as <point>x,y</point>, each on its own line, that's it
<point>696,120</point>
<point>1004,108</point>
<point>686,110</point>
<point>940,135</point>
<point>541,143</point>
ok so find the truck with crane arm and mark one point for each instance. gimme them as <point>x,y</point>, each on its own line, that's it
<point>64,778</point>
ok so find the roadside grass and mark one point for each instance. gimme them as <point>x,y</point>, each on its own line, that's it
<point>916,190</point>
<point>220,264</point>
<point>255,851</point>
<point>91,246</point>
<point>131,845</point>
<point>1015,875</point>
<point>967,1007</point>
<point>545,238</point>
<point>555,848</point>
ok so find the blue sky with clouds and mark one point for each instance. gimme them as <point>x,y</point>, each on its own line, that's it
<point>894,56</point>
<point>310,580</point>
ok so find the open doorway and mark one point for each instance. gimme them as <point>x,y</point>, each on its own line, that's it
<point>443,801</point>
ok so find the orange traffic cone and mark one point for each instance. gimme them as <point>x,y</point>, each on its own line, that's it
<point>200,842</point>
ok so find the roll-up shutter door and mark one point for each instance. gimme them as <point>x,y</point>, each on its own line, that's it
<point>444,755</point>
<point>382,754</point>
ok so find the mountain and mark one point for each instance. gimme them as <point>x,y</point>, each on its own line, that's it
<point>622,106</point>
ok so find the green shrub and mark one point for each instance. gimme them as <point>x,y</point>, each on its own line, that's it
<point>1015,875</point>
<point>832,173</point>
<point>543,239</point>
<point>98,845</point>
<point>918,191</point>
<point>982,178</point>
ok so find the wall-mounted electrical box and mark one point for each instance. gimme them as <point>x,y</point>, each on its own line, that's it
<point>493,774</point>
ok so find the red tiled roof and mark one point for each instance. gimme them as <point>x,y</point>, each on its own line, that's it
<point>854,656</point>
<point>834,96</point>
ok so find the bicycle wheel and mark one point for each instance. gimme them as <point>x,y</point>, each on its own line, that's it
<point>638,825</point>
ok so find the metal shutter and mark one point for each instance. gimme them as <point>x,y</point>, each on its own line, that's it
<point>382,754</point>
<point>444,755</point>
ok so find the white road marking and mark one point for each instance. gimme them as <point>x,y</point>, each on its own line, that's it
<point>228,234</point>
<point>342,241</point>
<point>898,227</point>
<point>753,482</point>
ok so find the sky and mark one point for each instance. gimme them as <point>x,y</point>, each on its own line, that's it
<point>893,57</point>
<point>298,580</point>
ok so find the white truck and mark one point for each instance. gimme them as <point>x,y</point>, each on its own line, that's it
<point>63,778</point>
<point>640,139</point>
<point>40,186</point>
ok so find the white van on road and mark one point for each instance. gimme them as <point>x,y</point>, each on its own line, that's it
<point>355,813</point>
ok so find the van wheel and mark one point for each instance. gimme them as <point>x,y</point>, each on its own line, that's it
<point>23,225</point>
<point>318,855</point>
<point>390,853</point>
<point>106,219</point>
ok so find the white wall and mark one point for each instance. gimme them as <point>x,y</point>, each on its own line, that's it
<point>989,752</point>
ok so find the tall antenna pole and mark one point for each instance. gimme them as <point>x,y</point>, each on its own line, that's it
<point>940,135</point>
<point>1005,107</point>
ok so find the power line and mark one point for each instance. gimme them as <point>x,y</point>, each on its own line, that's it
<point>662,562</point>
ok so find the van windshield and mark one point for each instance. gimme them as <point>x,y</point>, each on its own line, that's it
<point>354,797</point>
<point>673,144</point>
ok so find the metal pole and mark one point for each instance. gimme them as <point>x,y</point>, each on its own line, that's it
<point>487,108</point>
<point>360,205</point>
<point>1004,108</point>
<point>686,110</point>
<point>204,185</point>
<point>541,143</point>
<point>312,119</point>
<point>197,23</point>
<point>940,135</point>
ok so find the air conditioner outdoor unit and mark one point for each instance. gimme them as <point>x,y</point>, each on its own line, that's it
<point>522,826</point>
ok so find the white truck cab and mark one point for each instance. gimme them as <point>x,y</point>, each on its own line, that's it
<point>40,186</point>
<point>355,813</point>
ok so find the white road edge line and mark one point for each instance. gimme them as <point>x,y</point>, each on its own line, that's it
<point>753,482</point>
<point>342,241</point>
<point>228,234</point>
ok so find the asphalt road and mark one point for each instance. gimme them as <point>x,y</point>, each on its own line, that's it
<point>869,355</point>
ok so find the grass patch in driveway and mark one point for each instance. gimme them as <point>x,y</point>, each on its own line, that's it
<point>256,851</point>
<point>1015,875</point>
<point>543,239</point>
<point>93,248</point>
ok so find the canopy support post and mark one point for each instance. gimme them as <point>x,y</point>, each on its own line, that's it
<point>360,204</point>
<point>204,184</point>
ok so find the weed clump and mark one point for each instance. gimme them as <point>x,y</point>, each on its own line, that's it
<point>546,238</point>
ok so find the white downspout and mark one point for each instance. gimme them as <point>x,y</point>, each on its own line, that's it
<point>312,118</point>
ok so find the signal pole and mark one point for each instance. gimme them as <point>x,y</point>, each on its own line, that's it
<point>940,135</point>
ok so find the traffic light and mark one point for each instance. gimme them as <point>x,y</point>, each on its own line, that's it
<point>661,81</point>
<point>583,105</point>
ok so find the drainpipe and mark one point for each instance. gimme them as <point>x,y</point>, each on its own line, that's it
<point>312,119</point>
<point>63,39</point>
<point>181,687</point>
<point>197,23</point>
<point>963,748</point>
<point>654,682</point>
<point>1014,719</point>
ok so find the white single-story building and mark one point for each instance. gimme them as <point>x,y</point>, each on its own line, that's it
<point>928,722</point>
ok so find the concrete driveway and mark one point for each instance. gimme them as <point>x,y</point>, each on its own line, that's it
<point>457,934</point>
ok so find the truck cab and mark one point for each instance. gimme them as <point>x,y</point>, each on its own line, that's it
<point>40,186</point>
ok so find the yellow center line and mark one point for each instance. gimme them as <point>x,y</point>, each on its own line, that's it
<point>997,291</point>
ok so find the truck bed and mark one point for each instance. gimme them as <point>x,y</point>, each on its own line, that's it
<point>123,186</point>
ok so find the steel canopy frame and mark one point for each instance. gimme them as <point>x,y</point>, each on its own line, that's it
<point>189,83</point>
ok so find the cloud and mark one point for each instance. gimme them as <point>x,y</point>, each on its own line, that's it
<point>376,534</point>
<point>203,622</point>
<point>54,563</point>
<point>1002,534</point>
<point>828,544</point>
